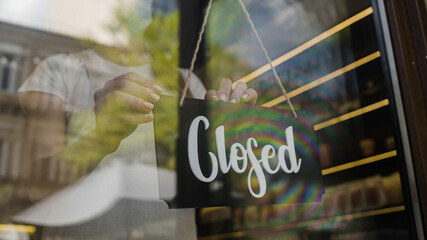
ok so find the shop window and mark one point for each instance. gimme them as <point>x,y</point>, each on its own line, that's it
<point>108,184</point>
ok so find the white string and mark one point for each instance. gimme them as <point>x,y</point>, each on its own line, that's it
<point>199,40</point>
<point>268,57</point>
<point>193,60</point>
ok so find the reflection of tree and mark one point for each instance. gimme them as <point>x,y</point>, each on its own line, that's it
<point>156,46</point>
<point>161,42</point>
<point>219,64</point>
<point>224,28</point>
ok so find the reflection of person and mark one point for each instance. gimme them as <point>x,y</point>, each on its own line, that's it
<point>84,108</point>
<point>64,90</point>
<point>86,111</point>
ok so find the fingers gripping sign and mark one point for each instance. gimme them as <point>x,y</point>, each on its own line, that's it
<point>123,103</point>
<point>128,100</point>
<point>224,90</point>
<point>241,93</point>
<point>249,96</point>
<point>238,92</point>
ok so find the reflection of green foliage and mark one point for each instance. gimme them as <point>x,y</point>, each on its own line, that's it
<point>128,23</point>
<point>225,23</point>
<point>166,129</point>
<point>157,46</point>
<point>219,66</point>
<point>162,43</point>
<point>225,26</point>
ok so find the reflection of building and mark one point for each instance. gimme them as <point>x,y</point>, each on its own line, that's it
<point>60,16</point>
<point>20,50</point>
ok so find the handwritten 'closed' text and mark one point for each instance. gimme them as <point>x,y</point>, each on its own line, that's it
<point>239,156</point>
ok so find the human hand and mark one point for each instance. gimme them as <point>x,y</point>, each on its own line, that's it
<point>122,104</point>
<point>241,93</point>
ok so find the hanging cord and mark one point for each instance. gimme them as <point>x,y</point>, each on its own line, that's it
<point>268,57</point>
<point>199,40</point>
<point>193,60</point>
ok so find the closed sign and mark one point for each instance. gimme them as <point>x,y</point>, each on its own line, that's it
<point>234,155</point>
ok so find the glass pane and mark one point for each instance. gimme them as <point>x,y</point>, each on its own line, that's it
<point>82,157</point>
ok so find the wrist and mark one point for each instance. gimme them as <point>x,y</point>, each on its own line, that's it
<point>103,143</point>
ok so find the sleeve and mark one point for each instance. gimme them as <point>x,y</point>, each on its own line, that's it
<point>195,86</point>
<point>48,77</point>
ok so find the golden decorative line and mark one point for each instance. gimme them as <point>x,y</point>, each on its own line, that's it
<point>346,217</point>
<point>371,213</point>
<point>290,226</point>
<point>350,115</point>
<point>306,45</point>
<point>17,228</point>
<point>324,79</point>
<point>359,162</point>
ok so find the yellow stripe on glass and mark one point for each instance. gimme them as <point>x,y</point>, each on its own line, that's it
<point>350,115</point>
<point>306,45</point>
<point>303,224</point>
<point>324,79</point>
<point>347,217</point>
<point>359,162</point>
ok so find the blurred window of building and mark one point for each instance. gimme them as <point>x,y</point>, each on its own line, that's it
<point>9,71</point>
<point>4,155</point>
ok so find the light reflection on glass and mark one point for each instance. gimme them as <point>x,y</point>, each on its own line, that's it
<point>325,51</point>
